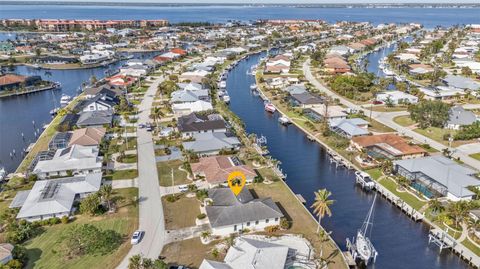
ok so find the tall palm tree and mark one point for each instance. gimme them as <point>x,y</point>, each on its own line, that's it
<point>106,192</point>
<point>321,206</point>
<point>435,205</point>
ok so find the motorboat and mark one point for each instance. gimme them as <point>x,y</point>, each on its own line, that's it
<point>3,173</point>
<point>253,87</point>
<point>222,84</point>
<point>388,72</point>
<point>226,99</point>
<point>284,120</point>
<point>269,107</point>
<point>65,99</point>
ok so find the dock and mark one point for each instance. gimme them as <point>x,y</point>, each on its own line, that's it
<point>445,241</point>
<point>300,198</point>
<point>399,203</point>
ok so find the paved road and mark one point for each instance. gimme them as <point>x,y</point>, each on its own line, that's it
<point>386,118</point>
<point>150,203</point>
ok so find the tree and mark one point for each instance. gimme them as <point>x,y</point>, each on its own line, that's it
<point>90,204</point>
<point>87,239</point>
<point>106,193</point>
<point>458,211</point>
<point>321,206</point>
<point>135,262</point>
<point>430,113</point>
<point>435,205</point>
<point>466,71</point>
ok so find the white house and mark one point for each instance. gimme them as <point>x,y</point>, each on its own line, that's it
<point>183,109</point>
<point>229,214</point>
<point>397,97</point>
<point>55,197</point>
<point>76,159</point>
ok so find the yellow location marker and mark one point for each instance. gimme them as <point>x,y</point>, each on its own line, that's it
<point>236,181</point>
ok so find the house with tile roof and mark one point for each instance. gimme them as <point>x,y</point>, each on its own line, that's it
<point>87,136</point>
<point>389,146</point>
<point>215,169</point>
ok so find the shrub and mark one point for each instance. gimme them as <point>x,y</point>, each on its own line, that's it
<point>171,198</point>
<point>64,219</point>
<point>272,228</point>
<point>201,216</point>
<point>54,221</point>
<point>285,224</point>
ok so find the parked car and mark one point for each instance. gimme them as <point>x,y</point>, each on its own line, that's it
<point>136,237</point>
<point>183,188</point>
<point>141,125</point>
<point>149,127</point>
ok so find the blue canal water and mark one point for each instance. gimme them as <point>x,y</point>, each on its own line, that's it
<point>216,13</point>
<point>19,113</point>
<point>401,243</point>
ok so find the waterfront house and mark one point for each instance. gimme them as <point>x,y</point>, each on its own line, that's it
<point>110,90</point>
<point>459,117</point>
<point>461,82</point>
<point>101,102</point>
<point>59,141</point>
<point>14,81</point>
<point>196,123</point>
<point>305,100</point>
<point>55,197</point>
<point>439,176</point>
<point>6,253</point>
<point>215,169</point>
<point>189,96</point>
<point>206,144</point>
<point>95,118</point>
<point>387,146</point>
<point>229,214</point>
<point>295,89</point>
<point>138,70</point>
<point>335,64</point>
<point>183,109</point>
<point>75,159</point>
<point>121,80</point>
<point>341,50</point>
<point>87,136</point>
<point>349,127</point>
<point>396,97</point>
<point>247,252</point>
<point>446,94</point>
<point>321,112</point>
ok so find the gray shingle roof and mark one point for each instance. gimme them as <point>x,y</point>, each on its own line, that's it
<point>207,142</point>
<point>197,122</point>
<point>226,211</point>
<point>95,118</point>
<point>459,116</point>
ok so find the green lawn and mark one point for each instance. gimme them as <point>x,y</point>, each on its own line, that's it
<point>128,158</point>
<point>375,173</point>
<point>43,253</point>
<point>436,134</point>
<point>123,174</point>
<point>404,120</point>
<point>405,196</point>
<point>471,246</point>
<point>164,170</point>
<point>476,156</point>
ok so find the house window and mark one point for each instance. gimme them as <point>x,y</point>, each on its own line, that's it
<point>235,227</point>
<point>276,219</point>
<point>256,222</point>
<point>248,223</point>
<point>267,220</point>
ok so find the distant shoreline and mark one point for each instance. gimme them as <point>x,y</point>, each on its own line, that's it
<point>297,5</point>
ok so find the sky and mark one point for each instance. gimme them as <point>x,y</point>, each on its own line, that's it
<point>271,1</point>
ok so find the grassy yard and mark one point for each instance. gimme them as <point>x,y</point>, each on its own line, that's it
<point>376,126</point>
<point>404,120</point>
<point>123,174</point>
<point>476,156</point>
<point>164,170</point>
<point>382,108</point>
<point>43,253</point>
<point>302,223</point>
<point>437,134</point>
<point>189,252</point>
<point>375,173</point>
<point>181,213</point>
<point>405,196</point>
<point>128,158</point>
<point>471,246</point>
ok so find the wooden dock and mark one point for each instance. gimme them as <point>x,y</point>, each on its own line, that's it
<point>398,202</point>
<point>443,240</point>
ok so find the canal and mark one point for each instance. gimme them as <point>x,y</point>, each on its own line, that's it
<point>26,114</point>
<point>401,243</point>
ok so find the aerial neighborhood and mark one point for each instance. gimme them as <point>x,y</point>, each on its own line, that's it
<point>134,167</point>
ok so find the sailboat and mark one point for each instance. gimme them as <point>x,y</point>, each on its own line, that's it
<point>361,247</point>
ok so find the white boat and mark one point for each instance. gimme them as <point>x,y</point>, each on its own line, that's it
<point>269,107</point>
<point>3,173</point>
<point>364,180</point>
<point>226,99</point>
<point>54,111</point>
<point>284,120</point>
<point>222,84</point>
<point>361,247</point>
<point>65,100</point>
<point>388,72</point>
<point>253,87</point>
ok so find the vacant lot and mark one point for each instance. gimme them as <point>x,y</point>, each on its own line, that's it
<point>165,170</point>
<point>404,120</point>
<point>43,253</point>
<point>189,252</point>
<point>181,213</point>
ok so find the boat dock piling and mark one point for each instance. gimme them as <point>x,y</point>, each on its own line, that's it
<point>399,203</point>
<point>445,241</point>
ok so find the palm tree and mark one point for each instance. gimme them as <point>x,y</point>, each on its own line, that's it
<point>458,211</point>
<point>106,192</point>
<point>322,204</point>
<point>135,262</point>
<point>435,205</point>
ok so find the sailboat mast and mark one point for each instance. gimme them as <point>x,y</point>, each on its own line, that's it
<point>367,221</point>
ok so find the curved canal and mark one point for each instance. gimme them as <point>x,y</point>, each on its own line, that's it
<point>26,114</point>
<point>401,243</point>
